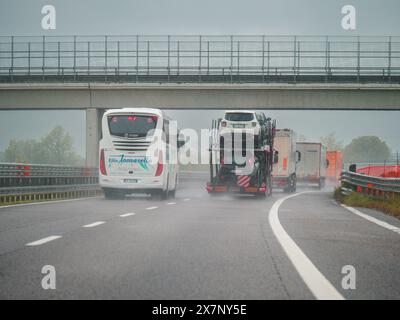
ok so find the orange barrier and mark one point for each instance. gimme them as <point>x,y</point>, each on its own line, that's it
<point>335,166</point>
<point>381,171</point>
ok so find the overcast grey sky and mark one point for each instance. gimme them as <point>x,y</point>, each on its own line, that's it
<point>301,17</point>
<point>23,17</point>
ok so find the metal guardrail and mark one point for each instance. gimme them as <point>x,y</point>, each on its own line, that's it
<point>202,58</point>
<point>39,170</point>
<point>23,175</point>
<point>31,182</point>
<point>370,185</point>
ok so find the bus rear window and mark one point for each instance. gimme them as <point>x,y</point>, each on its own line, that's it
<point>131,126</point>
<point>239,116</point>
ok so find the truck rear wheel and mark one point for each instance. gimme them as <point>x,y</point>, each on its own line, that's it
<point>269,187</point>
<point>261,195</point>
<point>291,185</point>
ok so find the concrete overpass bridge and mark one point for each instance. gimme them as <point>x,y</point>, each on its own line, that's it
<point>198,72</point>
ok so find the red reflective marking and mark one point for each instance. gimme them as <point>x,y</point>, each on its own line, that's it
<point>243,181</point>
<point>285,163</point>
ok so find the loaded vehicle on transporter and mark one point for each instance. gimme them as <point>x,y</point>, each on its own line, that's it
<point>242,154</point>
<point>138,153</point>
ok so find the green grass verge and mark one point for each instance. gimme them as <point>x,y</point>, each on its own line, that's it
<point>389,206</point>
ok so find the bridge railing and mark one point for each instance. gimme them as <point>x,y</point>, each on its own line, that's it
<point>21,183</point>
<point>200,58</point>
<point>370,185</point>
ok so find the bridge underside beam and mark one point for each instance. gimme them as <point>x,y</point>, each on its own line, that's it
<point>200,96</point>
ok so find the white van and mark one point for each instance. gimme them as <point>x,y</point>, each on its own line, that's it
<point>138,153</point>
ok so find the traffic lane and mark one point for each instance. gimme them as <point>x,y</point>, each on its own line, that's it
<point>215,249</point>
<point>19,216</point>
<point>27,256</point>
<point>333,237</point>
<point>20,225</point>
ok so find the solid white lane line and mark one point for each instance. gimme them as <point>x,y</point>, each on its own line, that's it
<point>320,287</point>
<point>151,208</point>
<point>126,215</point>
<point>171,203</point>
<point>372,219</point>
<point>42,241</point>
<point>94,224</point>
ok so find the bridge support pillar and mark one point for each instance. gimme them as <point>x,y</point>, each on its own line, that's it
<point>93,134</point>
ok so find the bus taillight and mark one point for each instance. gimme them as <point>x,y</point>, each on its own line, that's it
<point>160,165</point>
<point>102,163</point>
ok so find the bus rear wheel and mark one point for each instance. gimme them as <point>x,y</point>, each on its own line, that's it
<point>160,195</point>
<point>173,192</point>
<point>113,195</point>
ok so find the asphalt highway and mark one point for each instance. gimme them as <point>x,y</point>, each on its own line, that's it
<point>199,247</point>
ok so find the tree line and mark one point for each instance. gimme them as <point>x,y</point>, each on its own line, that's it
<point>361,149</point>
<point>56,148</point>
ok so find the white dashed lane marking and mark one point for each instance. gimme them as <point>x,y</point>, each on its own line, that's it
<point>43,241</point>
<point>126,215</point>
<point>94,224</point>
<point>151,208</point>
<point>171,203</point>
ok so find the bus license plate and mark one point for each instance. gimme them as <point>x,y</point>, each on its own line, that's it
<point>130,180</point>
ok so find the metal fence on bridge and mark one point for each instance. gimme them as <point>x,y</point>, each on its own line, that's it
<point>200,59</point>
<point>21,183</point>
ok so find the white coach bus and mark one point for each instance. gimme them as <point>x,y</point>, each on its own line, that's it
<point>138,153</point>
